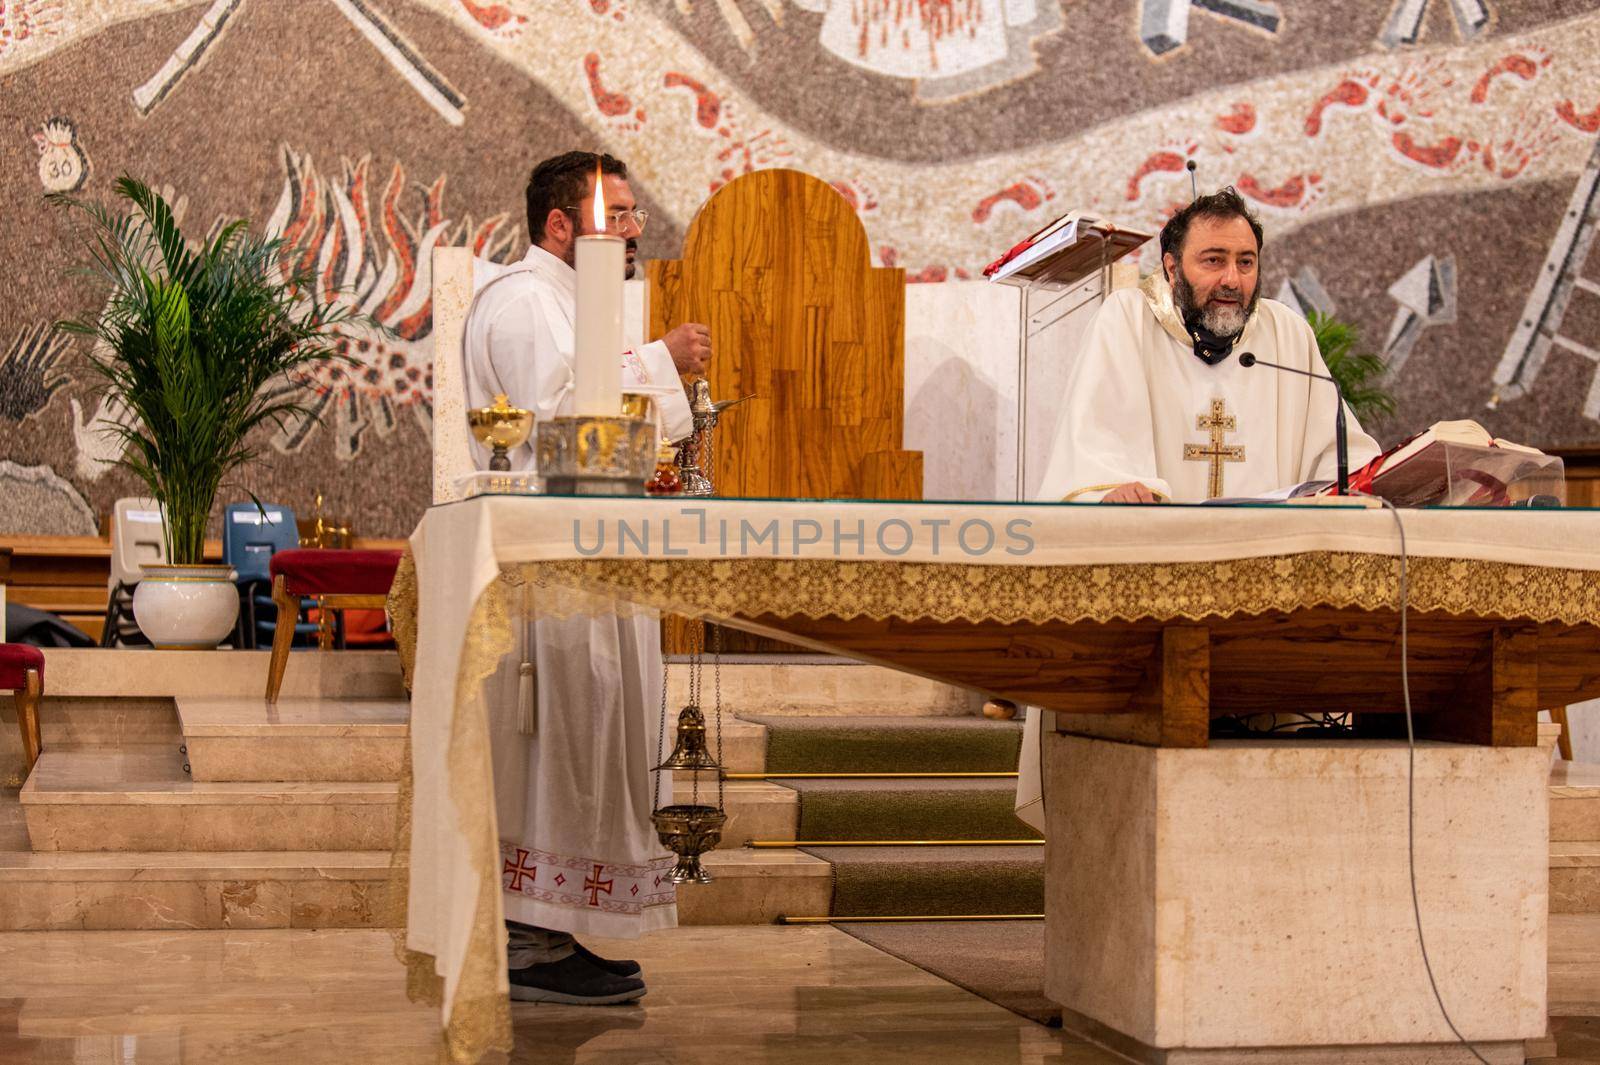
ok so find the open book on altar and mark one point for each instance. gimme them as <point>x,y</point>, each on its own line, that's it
<point>1066,251</point>
<point>1459,464</point>
<point>1449,464</point>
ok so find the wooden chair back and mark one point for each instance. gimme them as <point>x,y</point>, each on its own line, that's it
<point>778,265</point>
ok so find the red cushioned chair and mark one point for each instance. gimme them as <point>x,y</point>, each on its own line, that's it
<point>336,580</point>
<point>22,671</point>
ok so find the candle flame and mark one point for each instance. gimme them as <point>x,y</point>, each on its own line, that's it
<point>599,200</point>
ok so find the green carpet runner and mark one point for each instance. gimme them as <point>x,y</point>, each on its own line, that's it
<point>921,809</point>
<point>911,880</point>
<point>890,744</point>
<point>934,881</point>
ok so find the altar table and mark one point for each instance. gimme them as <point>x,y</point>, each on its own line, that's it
<point>1137,625</point>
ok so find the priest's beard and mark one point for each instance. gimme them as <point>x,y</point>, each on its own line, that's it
<point>571,257</point>
<point>1220,320</point>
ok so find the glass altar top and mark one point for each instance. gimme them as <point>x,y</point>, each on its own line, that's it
<point>1275,505</point>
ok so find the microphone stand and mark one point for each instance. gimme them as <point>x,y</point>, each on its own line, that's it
<point>1341,432</point>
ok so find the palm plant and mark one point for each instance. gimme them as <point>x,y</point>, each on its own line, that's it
<point>188,340</point>
<point>1358,373</point>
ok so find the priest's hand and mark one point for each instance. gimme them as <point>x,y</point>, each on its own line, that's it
<point>690,345</point>
<point>1132,492</point>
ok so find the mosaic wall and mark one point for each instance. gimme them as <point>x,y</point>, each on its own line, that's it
<point>1425,168</point>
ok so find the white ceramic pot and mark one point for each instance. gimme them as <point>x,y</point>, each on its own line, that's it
<point>186,607</point>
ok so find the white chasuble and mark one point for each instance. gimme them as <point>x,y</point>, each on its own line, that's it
<point>573,792</point>
<point>1141,406</point>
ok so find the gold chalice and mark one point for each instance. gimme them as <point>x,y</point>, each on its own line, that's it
<point>500,428</point>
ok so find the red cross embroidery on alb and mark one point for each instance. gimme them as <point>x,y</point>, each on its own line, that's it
<point>519,871</point>
<point>594,885</point>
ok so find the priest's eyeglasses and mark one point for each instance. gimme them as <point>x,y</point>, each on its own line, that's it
<point>616,220</point>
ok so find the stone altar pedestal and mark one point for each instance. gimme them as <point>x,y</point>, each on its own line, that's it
<point>1250,901</point>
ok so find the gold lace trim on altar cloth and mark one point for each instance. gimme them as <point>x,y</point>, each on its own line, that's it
<point>1188,591</point>
<point>1169,591</point>
<point>401,609</point>
<point>479,1021</point>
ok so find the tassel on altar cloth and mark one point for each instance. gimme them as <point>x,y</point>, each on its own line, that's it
<point>527,679</point>
<point>527,700</point>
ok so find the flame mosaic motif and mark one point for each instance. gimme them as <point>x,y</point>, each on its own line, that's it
<point>368,239</point>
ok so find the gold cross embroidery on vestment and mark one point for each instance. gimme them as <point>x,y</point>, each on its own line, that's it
<point>1218,423</point>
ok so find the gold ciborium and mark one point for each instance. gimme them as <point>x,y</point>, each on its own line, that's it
<point>500,428</point>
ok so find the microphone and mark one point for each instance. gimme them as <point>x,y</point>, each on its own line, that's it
<point>1341,432</point>
<point>1194,186</point>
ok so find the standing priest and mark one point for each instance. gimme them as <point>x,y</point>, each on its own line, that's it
<point>1159,409</point>
<point>574,716</point>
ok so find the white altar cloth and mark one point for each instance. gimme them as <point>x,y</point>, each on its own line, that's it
<point>460,550</point>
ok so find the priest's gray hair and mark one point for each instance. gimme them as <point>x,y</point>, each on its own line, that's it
<point>1221,205</point>
<point>562,182</point>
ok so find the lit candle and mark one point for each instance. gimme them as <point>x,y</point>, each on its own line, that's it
<point>601,263</point>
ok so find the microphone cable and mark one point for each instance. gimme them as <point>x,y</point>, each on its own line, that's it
<point>1411,781</point>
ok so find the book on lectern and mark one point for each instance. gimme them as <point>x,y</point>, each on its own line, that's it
<point>1065,251</point>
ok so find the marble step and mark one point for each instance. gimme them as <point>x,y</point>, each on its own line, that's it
<point>71,722</point>
<point>111,800</point>
<point>163,890</point>
<point>95,720</point>
<point>114,799</point>
<point>757,887</point>
<point>328,889</point>
<point>1574,876</point>
<point>1574,801</point>
<point>142,672</point>
<point>764,685</point>
<point>248,739</point>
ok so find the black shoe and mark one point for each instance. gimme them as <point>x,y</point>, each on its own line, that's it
<point>574,982</point>
<point>617,967</point>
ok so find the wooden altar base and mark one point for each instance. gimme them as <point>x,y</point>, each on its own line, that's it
<point>1473,680</point>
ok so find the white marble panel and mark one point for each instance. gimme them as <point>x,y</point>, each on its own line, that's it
<point>1257,895</point>
<point>961,388</point>
<point>1584,721</point>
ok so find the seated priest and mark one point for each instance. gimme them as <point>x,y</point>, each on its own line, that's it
<point>1159,409</point>
<point>575,714</point>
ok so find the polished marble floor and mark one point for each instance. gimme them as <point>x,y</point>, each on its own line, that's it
<point>756,996</point>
